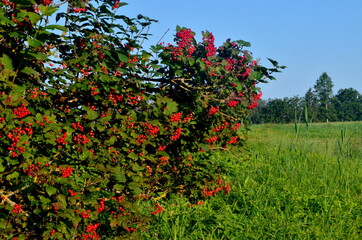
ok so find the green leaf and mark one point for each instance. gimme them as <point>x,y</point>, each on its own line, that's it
<point>27,155</point>
<point>62,201</point>
<point>104,78</point>
<point>9,116</point>
<point>119,174</point>
<point>135,188</point>
<point>121,4</point>
<point>34,17</point>
<point>171,107</point>
<point>105,119</point>
<point>18,90</point>
<point>13,175</point>
<point>28,70</point>
<point>47,10</point>
<point>133,155</point>
<point>61,227</point>
<point>91,114</point>
<point>39,56</point>
<point>254,75</point>
<point>205,147</point>
<point>6,61</point>
<point>51,190</point>
<point>4,20</point>
<point>244,43</point>
<point>59,27</point>
<point>110,141</point>
<point>39,117</point>
<point>136,167</point>
<point>44,201</point>
<point>34,43</point>
<point>118,187</point>
<point>122,57</point>
<point>276,64</point>
<point>191,61</point>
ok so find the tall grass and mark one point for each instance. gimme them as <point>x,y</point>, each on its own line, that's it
<point>296,185</point>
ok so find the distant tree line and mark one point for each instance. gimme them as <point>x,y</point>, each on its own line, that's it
<point>318,105</point>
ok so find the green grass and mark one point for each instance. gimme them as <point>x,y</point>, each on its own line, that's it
<point>299,183</point>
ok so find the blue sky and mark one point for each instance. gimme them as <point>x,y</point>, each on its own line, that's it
<point>308,36</point>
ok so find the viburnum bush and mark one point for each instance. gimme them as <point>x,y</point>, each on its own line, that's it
<point>94,129</point>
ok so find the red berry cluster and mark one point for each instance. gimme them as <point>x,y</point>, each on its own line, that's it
<point>46,2</point>
<point>185,37</point>
<point>66,172</point>
<point>133,60</point>
<point>158,209</point>
<point>77,125</point>
<point>14,137</point>
<point>236,126</point>
<point>84,214</point>
<point>86,72</point>
<point>35,92</point>
<point>8,3</point>
<point>94,89</point>
<point>176,117</point>
<point>188,118</point>
<point>116,98</point>
<point>91,232</point>
<point>33,169</point>
<point>72,193</point>
<point>129,229</point>
<point>233,140</point>
<point>149,170</point>
<point>135,99</point>
<point>161,148</point>
<point>252,105</point>
<point>212,139</point>
<point>79,10</point>
<point>209,192</point>
<point>213,110</point>
<point>163,160</point>
<point>257,97</point>
<point>246,72</point>
<point>81,139</point>
<point>17,208</point>
<point>210,46</point>
<point>153,130</point>
<point>141,139</point>
<point>21,111</point>
<point>230,66</point>
<point>177,134</point>
<point>233,103</point>
<point>221,127</point>
<point>44,121</point>
<point>61,140</point>
<point>101,205</point>
<point>116,4</point>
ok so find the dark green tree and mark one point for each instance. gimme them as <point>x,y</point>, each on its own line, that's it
<point>277,110</point>
<point>295,105</point>
<point>348,105</point>
<point>285,110</point>
<point>259,115</point>
<point>311,105</point>
<point>323,89</point>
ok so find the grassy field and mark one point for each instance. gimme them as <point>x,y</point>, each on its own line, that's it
<point>301,182</point>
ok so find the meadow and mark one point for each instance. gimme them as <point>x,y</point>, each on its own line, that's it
<point>295,182</point>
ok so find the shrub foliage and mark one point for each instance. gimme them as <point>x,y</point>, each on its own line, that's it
<point>94,129</point>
